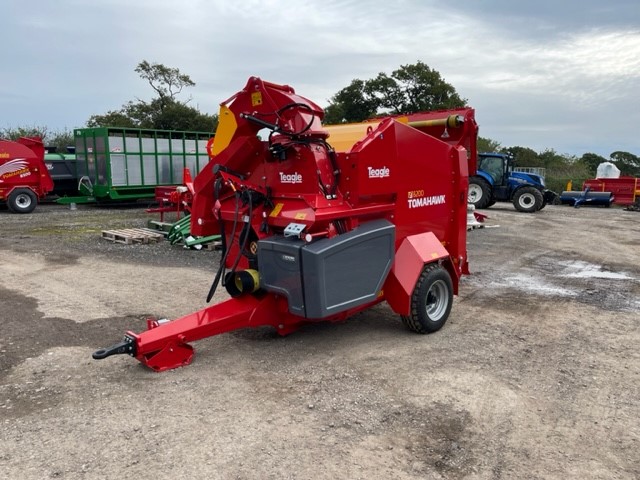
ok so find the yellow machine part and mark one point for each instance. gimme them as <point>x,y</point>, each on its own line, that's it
<point>227,126</point>
<point>343,137</point>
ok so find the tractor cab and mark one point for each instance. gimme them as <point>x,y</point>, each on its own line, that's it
<point>498,168</point>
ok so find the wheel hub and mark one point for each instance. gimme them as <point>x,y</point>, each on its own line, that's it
<point>527,200</point>
<point>23,200</point>
<point>475,193</point>
<point>437,300</point>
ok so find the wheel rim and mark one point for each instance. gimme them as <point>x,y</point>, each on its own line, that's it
<point>475,193</point>
<point>23,201</point>
<point>527,200</point>
<point>437,300</point>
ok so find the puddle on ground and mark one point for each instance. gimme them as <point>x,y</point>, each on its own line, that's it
<point>585,282</point>
<point>580,269</point>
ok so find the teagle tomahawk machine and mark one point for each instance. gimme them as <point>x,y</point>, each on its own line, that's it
<point>313,233</point>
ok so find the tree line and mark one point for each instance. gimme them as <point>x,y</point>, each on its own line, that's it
<point>408,89</point>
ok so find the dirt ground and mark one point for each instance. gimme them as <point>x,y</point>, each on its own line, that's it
<point>535,375</point>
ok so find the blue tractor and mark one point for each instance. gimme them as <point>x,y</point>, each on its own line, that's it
<point>495,181</point>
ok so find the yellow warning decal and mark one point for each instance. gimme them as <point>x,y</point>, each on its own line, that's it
<point>256,99</point>
<point>300,216</point>
<point>276,210</point>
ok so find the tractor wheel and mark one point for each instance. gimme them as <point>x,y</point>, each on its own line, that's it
<point>22,200</point>
<point>528,200</point>
<point>431,301</point>
<point>479,192</point>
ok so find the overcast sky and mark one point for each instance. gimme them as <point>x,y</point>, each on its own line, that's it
<point>541,74</point>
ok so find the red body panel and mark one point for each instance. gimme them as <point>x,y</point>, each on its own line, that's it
<point>413,253</point>
<point>22,166</point>
<point>464,135</point>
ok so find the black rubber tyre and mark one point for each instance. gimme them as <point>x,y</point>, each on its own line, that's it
<point>528,200</point>
<point>479,194</point>
<point>22,200</point>
<point>431,300</point>
<point>544,204</point>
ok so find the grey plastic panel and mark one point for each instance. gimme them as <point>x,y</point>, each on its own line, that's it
<point>280,266</point>
<point>348,270</point>
<point>331,275</point>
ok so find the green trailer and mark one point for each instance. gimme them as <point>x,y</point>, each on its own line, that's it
<point>127,164</point>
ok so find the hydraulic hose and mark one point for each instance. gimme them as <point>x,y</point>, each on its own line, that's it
<point>218,276</point>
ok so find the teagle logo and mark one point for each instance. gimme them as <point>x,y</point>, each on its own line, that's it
<point>294,177</point>
<point>381,172</point>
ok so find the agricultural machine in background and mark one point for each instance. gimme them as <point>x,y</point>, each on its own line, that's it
<point>496,181</point>
<point>608,188</point>
<point>316,233</point>
<point>604,192</point>
<point>24,178</point>
<point>586,198</point>
<point>624,190</point>
<point>114,164</point>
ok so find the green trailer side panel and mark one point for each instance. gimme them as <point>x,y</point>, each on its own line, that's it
<point>129,163</point>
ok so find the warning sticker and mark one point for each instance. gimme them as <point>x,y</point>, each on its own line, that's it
<point>276,210</point>
<point>256,99</point>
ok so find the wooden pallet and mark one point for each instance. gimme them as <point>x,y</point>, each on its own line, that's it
<point>129,236</point>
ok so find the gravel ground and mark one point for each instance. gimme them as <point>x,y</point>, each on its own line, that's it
<point>535,375</point>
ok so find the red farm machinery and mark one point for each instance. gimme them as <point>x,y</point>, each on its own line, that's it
<point>24,178</point>
<point>625,191</point>
<point>317,224</point>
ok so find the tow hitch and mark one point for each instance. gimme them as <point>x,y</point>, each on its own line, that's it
<point>127,346</point>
